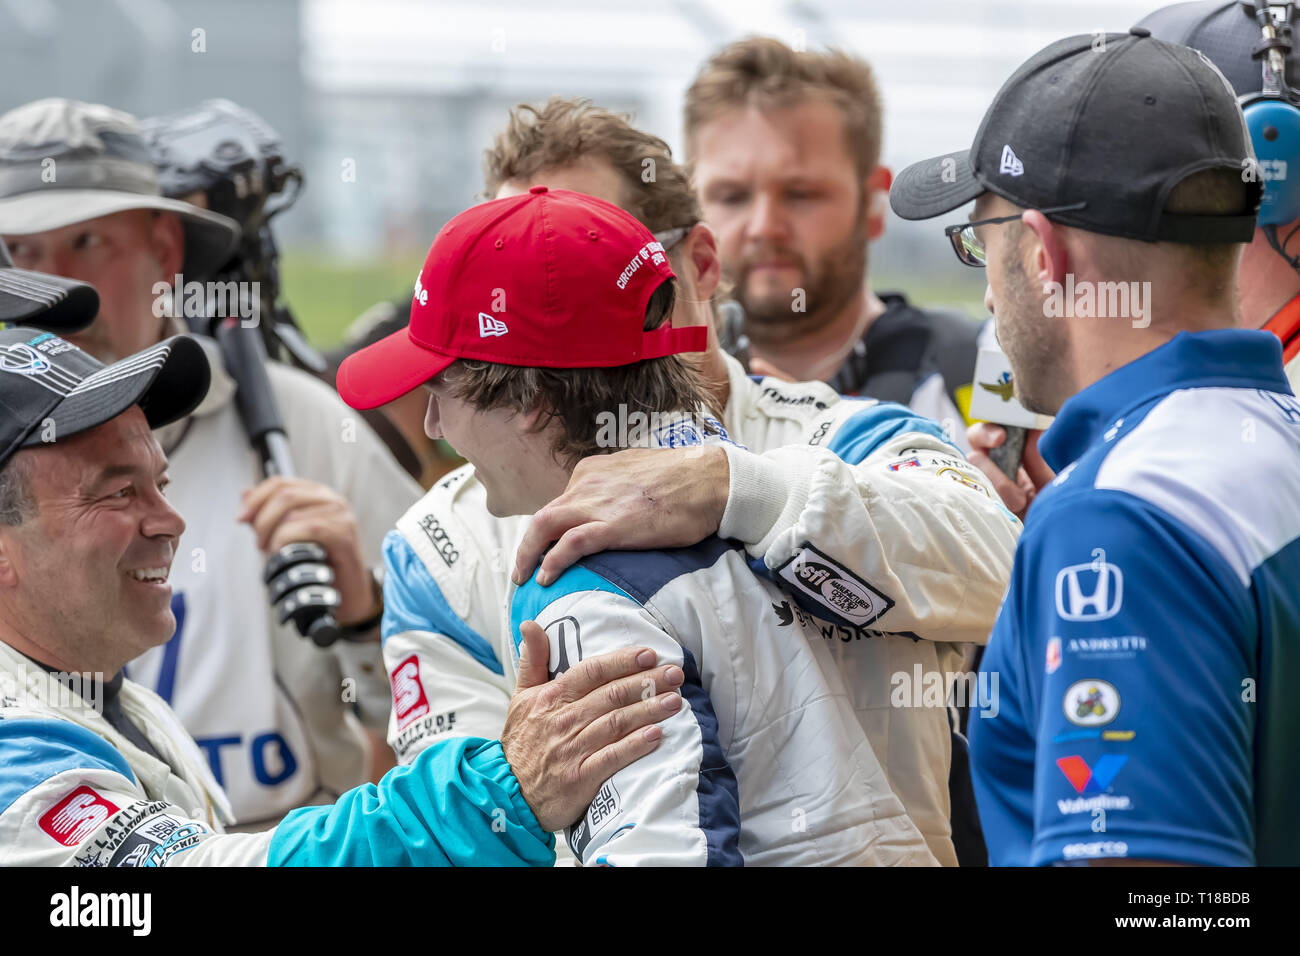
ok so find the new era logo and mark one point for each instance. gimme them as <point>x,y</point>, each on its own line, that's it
<point>488,325</point>
<point>1011,164</point>
<point>76,816</point>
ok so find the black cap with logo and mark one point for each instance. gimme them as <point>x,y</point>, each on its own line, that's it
<point>1108,123</point>
<point>51,390</point>
<point>52,302</point>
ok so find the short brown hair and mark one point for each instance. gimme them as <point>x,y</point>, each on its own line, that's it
<point>1211,192</point>
<point>1210,268</point>
<point>565,130</point>
<point>577,397</point>
<point>764,72</point>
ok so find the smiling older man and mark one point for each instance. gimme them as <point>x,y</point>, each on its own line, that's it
<point>96,770</point>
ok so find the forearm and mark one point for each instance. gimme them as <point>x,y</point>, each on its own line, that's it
<point>926,538</point>
<point>458,804</point>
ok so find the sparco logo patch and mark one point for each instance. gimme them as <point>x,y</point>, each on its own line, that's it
<point>409,700</point>
<point>834,587</point>
<point>76,816</point>
<point>441,540</point>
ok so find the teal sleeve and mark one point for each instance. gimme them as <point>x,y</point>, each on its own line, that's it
<point>458,804</point>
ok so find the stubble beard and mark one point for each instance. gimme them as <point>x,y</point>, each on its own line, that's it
<point>1035,344</point>
<point>829,286</point>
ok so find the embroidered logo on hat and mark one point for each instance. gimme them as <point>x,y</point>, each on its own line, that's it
<point>487,325</point>
<point>1011,164</point>
<point>21,359</point>
<point>548,251</point>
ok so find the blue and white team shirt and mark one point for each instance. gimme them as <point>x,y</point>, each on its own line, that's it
<point>1149,645</point>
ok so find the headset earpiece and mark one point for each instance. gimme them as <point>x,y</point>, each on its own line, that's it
<point>1274,125</point>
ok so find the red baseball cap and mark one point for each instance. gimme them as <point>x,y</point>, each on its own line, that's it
<point>549,279</point>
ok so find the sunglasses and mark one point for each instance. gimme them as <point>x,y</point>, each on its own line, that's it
<point>971,251</point>
<point>670,237</point>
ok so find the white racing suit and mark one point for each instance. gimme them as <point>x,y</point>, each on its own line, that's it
<point>765,763</point>
<point>868,491</point>
<point>75,791</point>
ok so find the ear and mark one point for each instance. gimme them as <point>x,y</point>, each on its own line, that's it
<point>876,187</point>
<point>701,252</point>
<point>167,239</point>
<point>1047,258</point>
<point>536,418</point>
<point>8,567</point>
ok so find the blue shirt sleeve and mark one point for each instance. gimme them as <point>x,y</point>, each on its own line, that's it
<point>458,804</point>
<point>1125,659</point>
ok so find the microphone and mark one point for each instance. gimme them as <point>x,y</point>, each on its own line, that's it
<point>993,400</point>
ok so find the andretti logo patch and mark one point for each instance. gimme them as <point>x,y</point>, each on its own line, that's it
<point>834,587</point>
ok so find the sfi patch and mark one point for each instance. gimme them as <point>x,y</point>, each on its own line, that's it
<point>830,585</point>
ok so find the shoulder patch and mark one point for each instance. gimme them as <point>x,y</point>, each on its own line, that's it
<point>833,589</point>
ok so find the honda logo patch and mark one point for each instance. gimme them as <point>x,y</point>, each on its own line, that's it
<point>1090,592</point>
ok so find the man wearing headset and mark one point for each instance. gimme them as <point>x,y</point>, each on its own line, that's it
<point>1268,280</point>
<point>1149,632</point>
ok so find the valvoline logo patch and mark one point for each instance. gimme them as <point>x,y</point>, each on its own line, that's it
<point>1094,779</point>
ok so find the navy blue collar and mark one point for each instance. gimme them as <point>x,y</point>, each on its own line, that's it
<point>1222,357</point>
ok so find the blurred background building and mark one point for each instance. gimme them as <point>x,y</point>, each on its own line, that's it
<point>389,103</point>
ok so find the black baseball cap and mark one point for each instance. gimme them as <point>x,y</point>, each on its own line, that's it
<point>52,302</point>
<point>1225,32</point>
<point>1109,121</point>
<point>45,380</point>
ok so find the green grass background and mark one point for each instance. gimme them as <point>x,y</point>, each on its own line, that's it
<point>327,294</point>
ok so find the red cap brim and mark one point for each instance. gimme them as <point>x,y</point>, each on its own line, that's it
<point>386,370</point>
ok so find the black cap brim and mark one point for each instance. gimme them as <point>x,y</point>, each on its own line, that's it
<point>167,381</point>
<point>935,186</point>
<point>51,302</point>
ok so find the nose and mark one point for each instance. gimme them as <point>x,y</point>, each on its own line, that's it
<point>767,218</point>
<point>160,519</point>
<point>432,425</point>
